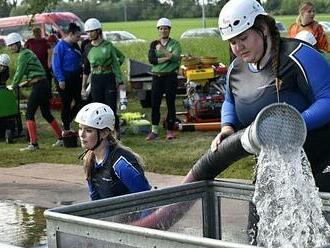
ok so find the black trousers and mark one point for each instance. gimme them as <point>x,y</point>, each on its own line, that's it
<point>104,90</point>
<point>167,85</point>
<point>72,92</point>
<point>39,97</point>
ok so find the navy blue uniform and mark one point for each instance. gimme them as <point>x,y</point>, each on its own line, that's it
<point>306,86</point>
<point>119,174</point>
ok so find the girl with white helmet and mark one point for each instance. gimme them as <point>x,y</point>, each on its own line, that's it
<point>111,169</point>
<point>4,68</point>
<point>102,62</point>
<point>29,68</point>
<point>267,69</point>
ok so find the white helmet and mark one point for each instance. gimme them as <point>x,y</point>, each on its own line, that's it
<point>13,38</point>
<point>307,37</point>
<point>4,59</point>
<point>163,22</point>
<point>92,24</point>
<point>238,16</point>
<point>96,115</point>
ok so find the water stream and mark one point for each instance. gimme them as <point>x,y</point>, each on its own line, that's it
<point>287,201</point>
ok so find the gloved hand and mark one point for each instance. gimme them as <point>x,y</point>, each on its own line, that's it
<point>122,99</point>
<point>225,132</point>
<point>123,104</point>
<point>61,84</point>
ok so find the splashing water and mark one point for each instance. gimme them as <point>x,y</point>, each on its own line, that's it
<point>287,201</point>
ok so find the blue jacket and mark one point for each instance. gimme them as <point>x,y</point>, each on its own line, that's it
<point>119,174</point>
<point>305,76</point>
<point>66,59</point>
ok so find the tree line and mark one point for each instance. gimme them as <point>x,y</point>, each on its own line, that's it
<point>133,10</point>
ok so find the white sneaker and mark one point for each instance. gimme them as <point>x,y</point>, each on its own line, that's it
<point>58,143</point>
<point>30,147</point>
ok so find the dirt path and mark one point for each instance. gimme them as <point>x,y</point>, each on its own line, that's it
<point>52,185</point>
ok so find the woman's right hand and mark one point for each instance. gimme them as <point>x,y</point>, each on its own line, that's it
<point>225,132</point>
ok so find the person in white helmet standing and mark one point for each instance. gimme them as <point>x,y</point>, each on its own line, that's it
<point>4,68</point>
<point>111,169</point>
<point>164,55</point>
<point>102,62</point>
<point>28,66</point>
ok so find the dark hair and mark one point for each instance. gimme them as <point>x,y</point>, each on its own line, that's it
<point>73,28</point>
<point>36,32</point>
<point>275,39</point>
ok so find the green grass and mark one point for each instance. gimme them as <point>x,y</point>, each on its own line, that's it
<point>175,157</point>
<point>147,29</point>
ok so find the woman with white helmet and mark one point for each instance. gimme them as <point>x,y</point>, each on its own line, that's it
<point>111,169</point>
<point>164,55</point>
<point>4,68</point>
<point>29,67</point>
<point>102,60</point>
<point>267,69</point>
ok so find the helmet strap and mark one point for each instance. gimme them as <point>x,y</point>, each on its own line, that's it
<point>99,141</point>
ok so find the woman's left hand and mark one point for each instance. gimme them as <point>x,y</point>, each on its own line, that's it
<point>225,132</point>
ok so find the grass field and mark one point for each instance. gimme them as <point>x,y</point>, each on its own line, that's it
<point>147,29</point>
<point>174,157</point>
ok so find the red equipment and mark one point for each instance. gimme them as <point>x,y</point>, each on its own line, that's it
<point>204,94</point>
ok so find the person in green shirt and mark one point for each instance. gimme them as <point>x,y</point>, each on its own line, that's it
<point>164,55</point>
<point>102,60</point>
<point>30,69</point>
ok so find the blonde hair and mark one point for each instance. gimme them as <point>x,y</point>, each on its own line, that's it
<point>302,9</point>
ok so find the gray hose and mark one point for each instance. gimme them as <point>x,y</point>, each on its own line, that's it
<point>211,163</point>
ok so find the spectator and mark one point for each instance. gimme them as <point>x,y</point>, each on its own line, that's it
<point>101,61</point>
<point>164,55</point>
<point>111,169</point>
<point>41,48</point>
<point>29,65</point>
<point>305,21</point>
<point>85,47</point>
<point>67,69</point>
